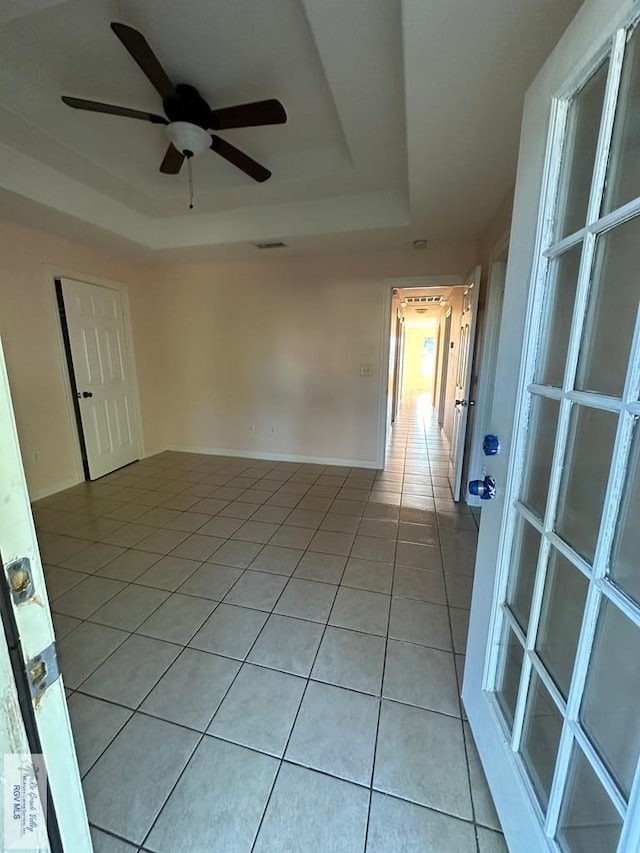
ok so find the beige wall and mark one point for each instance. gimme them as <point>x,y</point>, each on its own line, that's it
<point>29,333</point>
<point>220,347</point>
<point>278,345</point>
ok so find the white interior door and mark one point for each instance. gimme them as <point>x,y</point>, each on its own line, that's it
<point>464,366</point>
<point>552,679</point>
<point>39,723</point>
<point>444,367</point>
<point>102,367</point>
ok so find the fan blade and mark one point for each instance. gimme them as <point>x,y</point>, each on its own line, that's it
<point>111,109</point>
<point>139,49</point>
<point>239,159</point>
<point>248,115</point>
<point>172,162</point>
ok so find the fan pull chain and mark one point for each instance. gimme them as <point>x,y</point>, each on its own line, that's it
<point>190,183</point>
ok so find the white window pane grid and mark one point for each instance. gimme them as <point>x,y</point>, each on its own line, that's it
<point>627,410</point>
<point>580,151</point>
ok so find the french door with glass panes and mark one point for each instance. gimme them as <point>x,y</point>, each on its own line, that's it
<point>560,676</point>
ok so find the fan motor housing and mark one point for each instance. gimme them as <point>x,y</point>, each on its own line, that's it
<point>187,105</point>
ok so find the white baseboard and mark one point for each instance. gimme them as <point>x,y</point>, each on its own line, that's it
<point>52,489</point>
<point>274,457</point>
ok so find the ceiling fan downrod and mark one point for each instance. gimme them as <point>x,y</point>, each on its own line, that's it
<point>189,155</point>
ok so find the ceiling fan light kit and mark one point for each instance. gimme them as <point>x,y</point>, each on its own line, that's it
<point>188,116</point>
<point>188,138</point>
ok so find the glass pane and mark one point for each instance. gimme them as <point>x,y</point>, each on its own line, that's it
<point>565,592</point>
<point>563,278</point>
<point>612,694</point>
<point>623,180</point>
<point>543,421</point>
<point>582,139</point>
<point>584,480</point>
<point>541,737</point>
<point>509,669</point>
<point>625,566</point>
<point>589,822</point>
<point>522,574</point>
<point>612,311</point>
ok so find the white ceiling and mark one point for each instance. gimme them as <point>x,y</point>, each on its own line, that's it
<point>403,116</point>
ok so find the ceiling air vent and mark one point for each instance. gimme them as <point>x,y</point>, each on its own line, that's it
<point>274,244</point>
<point>423,300</point>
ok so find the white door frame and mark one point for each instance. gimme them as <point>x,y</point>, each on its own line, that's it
<point>385,340</point>
<point>595,24</point>
<point>52,273</point>
<point>464,373</point>
<point>486,368</point>
<point>444,366</point>
<point>47,711</point>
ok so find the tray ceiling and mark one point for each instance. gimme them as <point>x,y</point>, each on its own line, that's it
<point>381,96</point>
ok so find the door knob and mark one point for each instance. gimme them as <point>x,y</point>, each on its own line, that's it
<point>484,489</point>
<point>86,394</point>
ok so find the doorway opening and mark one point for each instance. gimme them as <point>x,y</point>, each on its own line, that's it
<point>432,336</point>
<point>423,339</point>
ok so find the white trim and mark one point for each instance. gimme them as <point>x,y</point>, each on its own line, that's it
<point>464,373</point>
<point>602,771</point>
<point>565,244</point>
<point>33,622</point>
<point>547,391</point>
<point>516,798</point>
<point>616,217</point>
<point>486,369</point>
<point>533,317</point>
<point>383,375</point>
<point>273,457</point>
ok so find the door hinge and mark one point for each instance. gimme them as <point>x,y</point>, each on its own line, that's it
<point>43,671</point>
<point>20,579</point>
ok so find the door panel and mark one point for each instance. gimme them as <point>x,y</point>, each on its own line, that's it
<point>552,665</point>
<point>102,368</point>
<point>32,619</point>
<point>444,368</point>
<point>464,365</point>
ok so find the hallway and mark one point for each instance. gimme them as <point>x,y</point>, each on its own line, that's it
<point>266,656</point>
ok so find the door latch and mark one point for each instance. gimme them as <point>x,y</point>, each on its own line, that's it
<point>20,579</point>
<point>43,670</point>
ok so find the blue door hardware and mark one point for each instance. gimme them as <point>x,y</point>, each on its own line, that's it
<point>491,445</point>
<point>484,489</point>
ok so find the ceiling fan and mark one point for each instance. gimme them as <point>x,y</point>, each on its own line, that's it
<point>188,116</point>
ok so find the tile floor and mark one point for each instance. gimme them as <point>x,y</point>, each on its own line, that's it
<point>266,656</point>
